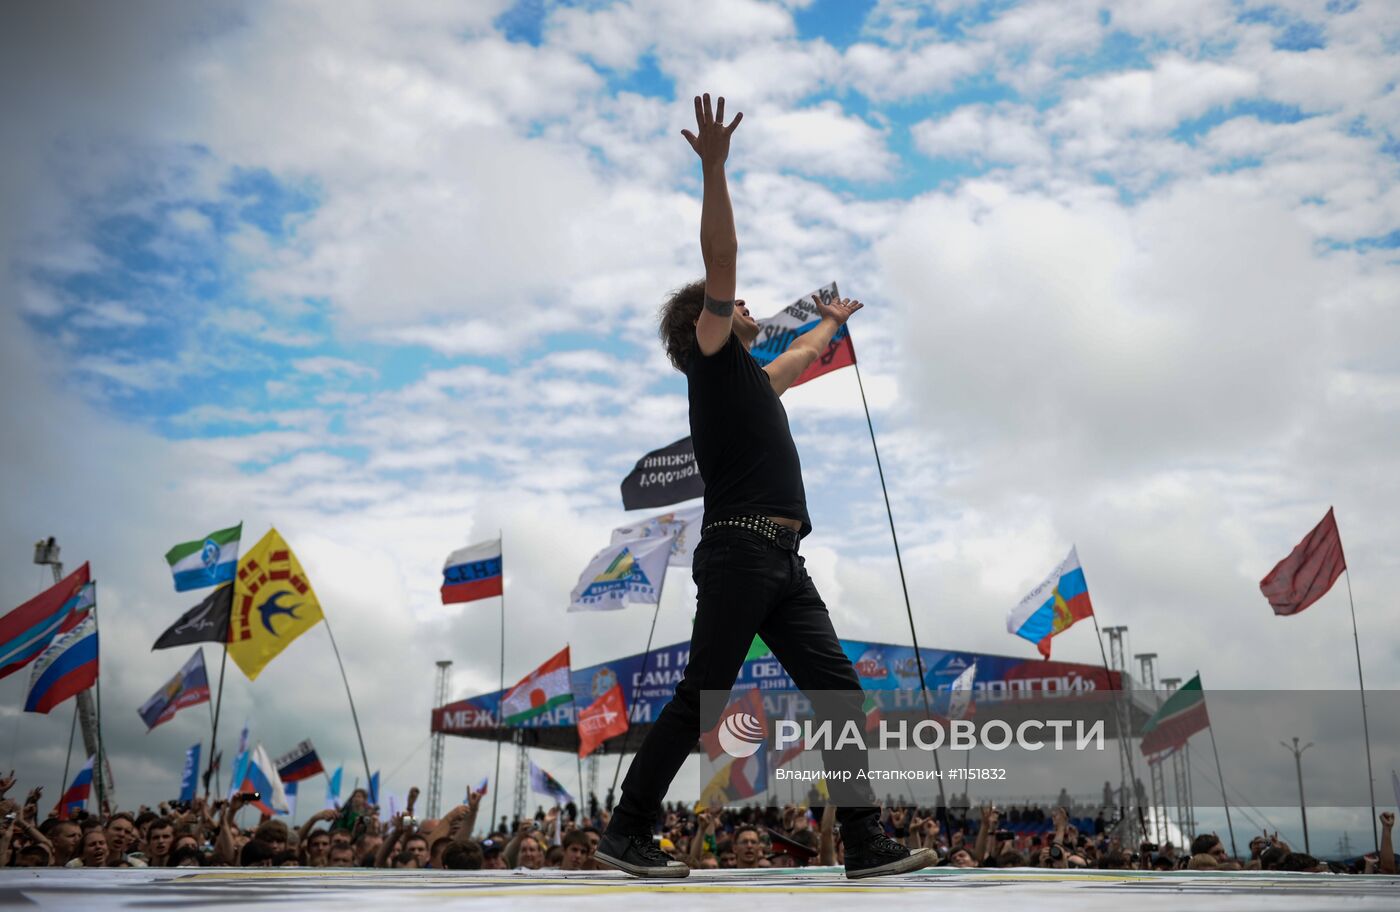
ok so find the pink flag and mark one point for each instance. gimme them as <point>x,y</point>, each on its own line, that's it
<point>1305,575</point>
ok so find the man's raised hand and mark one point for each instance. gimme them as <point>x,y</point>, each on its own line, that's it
<point>838,309</point>
<point>711,137</point>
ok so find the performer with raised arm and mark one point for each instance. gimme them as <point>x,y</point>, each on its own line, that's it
<point>750,577</point>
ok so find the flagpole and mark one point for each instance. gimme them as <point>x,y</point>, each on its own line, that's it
<point>72,733</point>
<point>627,738</point>
<point>353,716</point>
<point>103,784</point>
<point>1365,725</point>
<point>1221,774</point>
<point>501,692</point>
<point>899,562</point>
<point>218,707</point>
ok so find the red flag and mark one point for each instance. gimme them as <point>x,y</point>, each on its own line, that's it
<point>604,718</point>
<point>751,702</point>
<point>1305,575</point>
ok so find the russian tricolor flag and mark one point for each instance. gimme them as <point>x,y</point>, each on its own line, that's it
<point>259,775</point>
<point>1053,606</point>
<point>75,798</point>
<point>299,763</point>
<point>66,668</point>
<point>472,573</point>
<point>28,630</point>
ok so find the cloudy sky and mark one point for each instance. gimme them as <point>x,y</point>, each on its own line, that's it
<point>386,275</point>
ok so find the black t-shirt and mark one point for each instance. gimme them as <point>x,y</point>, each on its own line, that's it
<point>743,445</point>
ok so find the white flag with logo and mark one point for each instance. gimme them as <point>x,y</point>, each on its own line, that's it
<point>630,571</point>
<point>960,695</point>
<point>683,525</point>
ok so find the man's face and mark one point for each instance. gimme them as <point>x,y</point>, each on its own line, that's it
<point>185,841</point>
<point>276,843</point>
<point>747,848</point>
<point>341,857</point>
<point>493,861</point>
<point>592,841</point>
<point>340,840</point>
<point>1218,852</point>
<point>159,838</point>
<point>95,849</point>
<point>575,857</point>
<point>745,326</point>
<point>121,833</point>
<point>65,838</point>
<point>961,859</point>
<point>709,862</point>
<point>317,845</point>
<point>530,855</point>
<point>727,859</point>
<point>417,846</point>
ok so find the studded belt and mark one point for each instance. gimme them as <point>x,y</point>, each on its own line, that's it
<point>777,533</point>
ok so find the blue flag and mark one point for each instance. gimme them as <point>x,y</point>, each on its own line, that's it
<point>333,789</point>
<point>374,787</point>
<point>190,777</point>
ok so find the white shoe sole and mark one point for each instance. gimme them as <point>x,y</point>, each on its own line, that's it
<point>671,871</point>
<point>919,858</point>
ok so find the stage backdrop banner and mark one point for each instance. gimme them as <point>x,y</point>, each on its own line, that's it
<point>647,687</point>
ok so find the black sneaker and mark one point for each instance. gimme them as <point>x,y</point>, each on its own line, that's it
<point>639,856</point>
<point>876,855</point>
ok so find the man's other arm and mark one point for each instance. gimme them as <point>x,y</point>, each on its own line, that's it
<point>784,370</point>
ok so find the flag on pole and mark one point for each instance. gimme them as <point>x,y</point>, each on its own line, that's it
<point>189,687</point>
<point>1176,721</point>
<point>777,333</point>
<point>664,477</point>
<point>66,668</point>
<point>1053,606</point>
<point>273,604</point>
<point>333,789</point>
<point>29,629</point>
<point>480,787</point>
<point>243,738</point>
<point>299,763</point>
<point>205,561</point>
<point>259,775</point>
<point>743,715</point>
<point>604,718</point>
<point>632,571</point>
<point>474,572</point>
<point>374,787</point>
<point>206,622</point>
<point>542,783</point>
<point>539,692</point>
<point>75,798</point>
<point>189,777</point>
<point>1305,575</point>
<point>681,526</point>
<point>960,694</point>
<point>290,790</point>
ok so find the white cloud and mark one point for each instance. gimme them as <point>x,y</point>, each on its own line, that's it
<point>1004,133</point>
<point>821,141</point>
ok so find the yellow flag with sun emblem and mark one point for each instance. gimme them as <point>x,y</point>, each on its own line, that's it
<point>273,604</point>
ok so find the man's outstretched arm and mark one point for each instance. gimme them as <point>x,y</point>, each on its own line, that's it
<point>784,370</point>
<point>719,243</point>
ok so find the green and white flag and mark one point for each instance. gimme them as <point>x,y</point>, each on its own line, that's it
<point>1180,717</point>
<point>206,561</point>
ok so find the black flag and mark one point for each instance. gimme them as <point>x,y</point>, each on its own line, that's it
<point>663,477</point>
<point>206,622</point>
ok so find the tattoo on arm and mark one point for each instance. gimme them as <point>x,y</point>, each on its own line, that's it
<point>719,308</point>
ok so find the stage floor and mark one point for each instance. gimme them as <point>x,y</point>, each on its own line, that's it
<point>760,891</point>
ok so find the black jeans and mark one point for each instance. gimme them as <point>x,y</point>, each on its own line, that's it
<point>748,585</point>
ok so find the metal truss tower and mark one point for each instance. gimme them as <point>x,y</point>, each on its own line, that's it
<point>1181,779</point>
<point>1130,828</point>
<point>1159,821</point>
<point>438,740</point>
<point>46,552</point>
<point>522,776</point>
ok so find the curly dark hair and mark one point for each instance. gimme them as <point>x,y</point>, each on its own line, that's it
<point>677,326</point>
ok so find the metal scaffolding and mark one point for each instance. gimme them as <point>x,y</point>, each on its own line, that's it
<point>46,552</point>
<point>1158,819</point>
<point>438,738</point>
<point>1129,802</point>
<point>522,776</point>
<point>1181,781</point>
